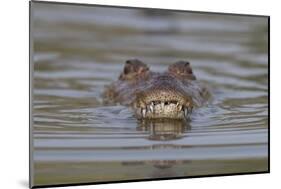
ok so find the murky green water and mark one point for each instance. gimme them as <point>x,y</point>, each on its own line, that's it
<point>79,50</point>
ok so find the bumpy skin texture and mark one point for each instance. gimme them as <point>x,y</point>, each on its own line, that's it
<point>172,94</point>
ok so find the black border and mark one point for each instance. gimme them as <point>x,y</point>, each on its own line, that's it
<point>268,88</point>
<point>138,180</point>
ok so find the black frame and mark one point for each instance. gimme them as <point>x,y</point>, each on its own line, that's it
<point>133,180</point>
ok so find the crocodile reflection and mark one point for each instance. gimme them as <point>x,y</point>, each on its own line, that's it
<point>164,129</point>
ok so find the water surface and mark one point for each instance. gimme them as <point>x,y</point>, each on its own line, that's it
<point>79,50</point>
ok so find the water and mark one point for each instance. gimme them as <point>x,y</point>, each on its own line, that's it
<point>79,50</point>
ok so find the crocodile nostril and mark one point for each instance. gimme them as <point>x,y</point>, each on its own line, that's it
<point>165,102</point>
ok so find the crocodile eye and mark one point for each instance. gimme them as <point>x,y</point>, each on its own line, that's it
<point>133,68</point>
<point>182,69</point>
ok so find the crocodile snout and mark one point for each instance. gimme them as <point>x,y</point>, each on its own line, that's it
<point>163,98</point>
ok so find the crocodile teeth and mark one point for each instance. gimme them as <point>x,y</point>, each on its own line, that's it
<point>143,112</point>
<point>162,105</point>
<point>186,112</point>
<point>151,107</point>
<point>179,107</point>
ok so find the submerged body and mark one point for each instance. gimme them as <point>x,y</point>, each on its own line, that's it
<point>171,94</point>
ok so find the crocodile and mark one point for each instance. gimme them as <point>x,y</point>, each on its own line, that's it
<point>171,94</point>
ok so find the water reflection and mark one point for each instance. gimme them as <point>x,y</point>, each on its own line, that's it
<point>163,168</point>
<point>165,129</point>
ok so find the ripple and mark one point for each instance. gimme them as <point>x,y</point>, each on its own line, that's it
<point>80,50</point>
